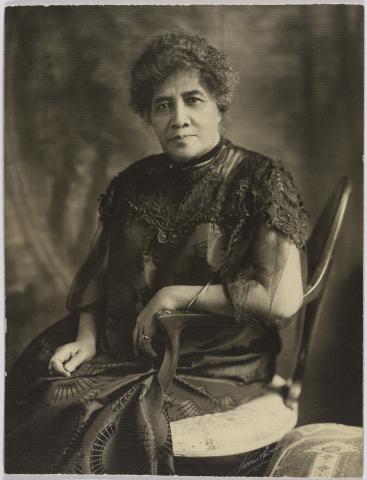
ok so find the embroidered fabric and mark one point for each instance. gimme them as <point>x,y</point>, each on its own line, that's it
<point>237,191</point>
<point>253,184</point>
<point>148,195</point>
<point>261,190</point>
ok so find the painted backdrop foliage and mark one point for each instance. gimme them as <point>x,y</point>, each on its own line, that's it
<point>69,130</point>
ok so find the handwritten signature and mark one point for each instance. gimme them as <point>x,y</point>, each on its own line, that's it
<point>255,461</point>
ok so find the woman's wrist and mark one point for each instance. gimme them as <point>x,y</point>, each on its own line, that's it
<point>177,297</point>
<point>210,298</point>
<point>87,332</point>
<point>87,340</point>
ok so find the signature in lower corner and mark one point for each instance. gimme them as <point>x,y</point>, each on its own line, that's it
<point>250,463</point>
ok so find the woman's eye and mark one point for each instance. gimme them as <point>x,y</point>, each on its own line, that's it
<point>194,100</point>
<point>162,107</point>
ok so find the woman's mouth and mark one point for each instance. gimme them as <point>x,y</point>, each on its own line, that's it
<point>181,137</point>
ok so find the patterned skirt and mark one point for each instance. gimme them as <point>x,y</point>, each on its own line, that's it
<point>111,416</point>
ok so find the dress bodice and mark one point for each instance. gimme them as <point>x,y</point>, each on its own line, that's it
<point>167,225</point>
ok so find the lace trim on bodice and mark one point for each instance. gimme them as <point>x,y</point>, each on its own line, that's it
<point>265,192</point>
<point>174,202</point>
<point>174,221</point>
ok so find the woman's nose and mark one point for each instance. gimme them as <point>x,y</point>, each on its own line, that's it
<point>180,116</point>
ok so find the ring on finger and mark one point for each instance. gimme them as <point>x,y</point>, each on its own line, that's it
<point>145,337</point>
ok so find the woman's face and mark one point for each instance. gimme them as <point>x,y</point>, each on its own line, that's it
<point>185,116</point>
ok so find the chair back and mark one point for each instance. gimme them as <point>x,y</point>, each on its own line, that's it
<point>320,252</point>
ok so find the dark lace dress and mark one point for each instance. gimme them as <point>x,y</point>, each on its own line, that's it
<point>161,224</point>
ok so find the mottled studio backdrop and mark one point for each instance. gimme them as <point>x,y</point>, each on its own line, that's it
<point>69,130</point>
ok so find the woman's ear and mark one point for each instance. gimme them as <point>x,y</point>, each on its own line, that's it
<point>221,122</point>
<point>220,117</point>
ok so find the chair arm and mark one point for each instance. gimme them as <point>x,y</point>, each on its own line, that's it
<point>291,392</point>
<point>173,323</point>
<point>317,283</point>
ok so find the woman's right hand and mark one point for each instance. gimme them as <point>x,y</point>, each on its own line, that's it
<point>68,357</point>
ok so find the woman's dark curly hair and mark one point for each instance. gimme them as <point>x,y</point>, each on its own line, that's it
<point>172,51</point>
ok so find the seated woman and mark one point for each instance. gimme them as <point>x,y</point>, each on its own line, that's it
<point>205,225</point>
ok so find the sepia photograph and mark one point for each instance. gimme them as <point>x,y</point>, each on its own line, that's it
<point>183,240</point>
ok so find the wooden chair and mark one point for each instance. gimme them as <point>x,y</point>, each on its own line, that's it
<point>266,419</point>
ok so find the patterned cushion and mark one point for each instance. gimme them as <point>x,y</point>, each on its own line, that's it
<point>250,426</point>
<point>319,450</point>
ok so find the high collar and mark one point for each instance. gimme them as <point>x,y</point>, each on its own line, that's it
<point>197,162</point>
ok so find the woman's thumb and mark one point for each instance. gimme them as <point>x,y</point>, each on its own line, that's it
<point>74,362</point>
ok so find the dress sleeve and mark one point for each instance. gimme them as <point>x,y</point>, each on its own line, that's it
<point>262,274</point>
<point>87,292</point>
<point>88,289</point>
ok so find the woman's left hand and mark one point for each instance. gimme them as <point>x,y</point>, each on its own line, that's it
<point>146,323</point>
